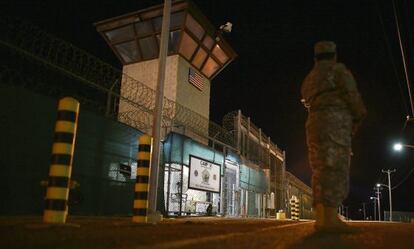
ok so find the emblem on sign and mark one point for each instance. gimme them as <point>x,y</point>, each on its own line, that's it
<point>205,176</point>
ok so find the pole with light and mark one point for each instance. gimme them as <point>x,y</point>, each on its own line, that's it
<point>363,210</point>
<point>157,116</point>
<point>374,199</point>
<point>378,192</point>
<point>389,188</point>
<point>400,146</point>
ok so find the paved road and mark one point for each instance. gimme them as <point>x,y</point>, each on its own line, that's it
<point>102,233</point>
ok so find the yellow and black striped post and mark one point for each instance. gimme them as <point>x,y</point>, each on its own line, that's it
<point>140,214</point>
<point>56,208</point>
<point>294,208</point>
<point>297,207</point>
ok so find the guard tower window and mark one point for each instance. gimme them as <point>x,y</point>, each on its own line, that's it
<point>157,22</point>
<point>143,28</point>
<point>194,27</point>
<point>172,41</point>
<point>120,34</point>
<point>188,46</point>
<point>128,51</point>
<point>148,47</point>
<point>177,19</point>
<point>210,67</point>
<point>199,58</point>
<point>208,42</point>
<point>219,54</point>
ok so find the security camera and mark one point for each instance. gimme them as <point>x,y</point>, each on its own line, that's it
<point>226,27</point>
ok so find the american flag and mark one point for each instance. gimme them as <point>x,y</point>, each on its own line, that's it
<point>196,79</point>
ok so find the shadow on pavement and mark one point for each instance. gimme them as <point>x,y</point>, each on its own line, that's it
<point>326,241</point>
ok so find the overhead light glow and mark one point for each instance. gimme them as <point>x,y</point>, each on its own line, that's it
<point>398,147</point>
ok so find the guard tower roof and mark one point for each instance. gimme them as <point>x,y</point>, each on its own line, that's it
<point>135,37</point>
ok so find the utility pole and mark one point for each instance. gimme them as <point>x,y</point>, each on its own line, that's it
<point>157,115</point>
<point>389,188</point>
<point>375,208</point>
<point>379,203</point>
<point>407,79</point>
<point>346,212</point>
<point>363,209</point>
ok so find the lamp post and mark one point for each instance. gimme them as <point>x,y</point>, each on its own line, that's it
<point>346,213</point>
<point>363,210</point>
<point>389,188</point>
<point>374,199</point>
<point>156,127</point>
<point>377,188</point>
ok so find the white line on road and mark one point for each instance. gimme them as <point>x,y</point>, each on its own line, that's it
<point>187,242</point>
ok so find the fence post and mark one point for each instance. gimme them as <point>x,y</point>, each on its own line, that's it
<point>56,206</point>
<point>140,214</point>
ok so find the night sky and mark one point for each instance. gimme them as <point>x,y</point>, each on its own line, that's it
<point>274,41</point>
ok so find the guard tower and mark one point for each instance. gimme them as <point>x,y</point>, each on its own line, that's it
<point>197,52</point>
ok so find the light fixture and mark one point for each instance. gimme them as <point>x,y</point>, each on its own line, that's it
<point>398,147</point>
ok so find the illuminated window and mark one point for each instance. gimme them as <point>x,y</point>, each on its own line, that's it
<point>121,34</point>
<point>219,54</point>
<point>200,57</point>
<point>208,42</point>
<point>187,46</point>
<point>149,47</point>
<point>194,27</point>
<point>210,67</point>
<point>143,28</point>
<point>128,51</point>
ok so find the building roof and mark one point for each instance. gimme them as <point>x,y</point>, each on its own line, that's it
<point>135,37</point>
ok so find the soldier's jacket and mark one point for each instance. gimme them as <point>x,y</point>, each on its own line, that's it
<point>330,87</point>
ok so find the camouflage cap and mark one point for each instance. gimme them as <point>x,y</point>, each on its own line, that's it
<point>322,47</point>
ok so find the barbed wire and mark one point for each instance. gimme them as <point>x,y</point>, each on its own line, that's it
<point>32,42</point>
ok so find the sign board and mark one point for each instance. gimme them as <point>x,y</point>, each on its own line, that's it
<point>204,175</point>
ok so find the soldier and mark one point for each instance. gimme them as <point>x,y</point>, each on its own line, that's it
<point>335,111</point>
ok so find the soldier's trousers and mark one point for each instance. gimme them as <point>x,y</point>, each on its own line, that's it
<point>330,163</point>
<point>329,148</point>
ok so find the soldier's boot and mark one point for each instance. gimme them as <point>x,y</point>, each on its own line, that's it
<point>327,221</point>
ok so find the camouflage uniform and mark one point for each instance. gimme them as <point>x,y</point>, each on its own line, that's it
<point>335,110</point>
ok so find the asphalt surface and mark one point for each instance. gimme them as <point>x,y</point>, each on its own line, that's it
<point>209,232</point>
